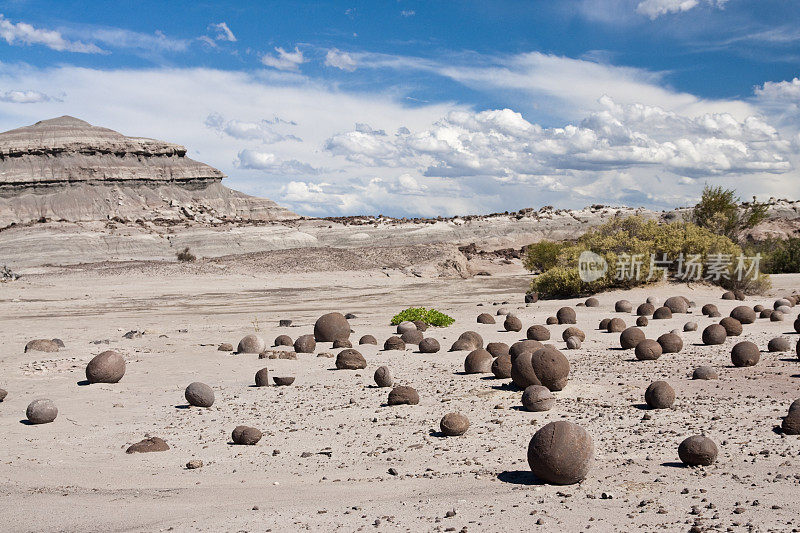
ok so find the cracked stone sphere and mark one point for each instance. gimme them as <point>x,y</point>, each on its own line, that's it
<point>561,453</point>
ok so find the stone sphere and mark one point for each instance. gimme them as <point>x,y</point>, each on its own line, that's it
<point>473,339</point>
<point>561,453</point>
<point>779,344</point>
<point>522,373</point>
<point>284,340</point>
<point>645,309</point>
<point>776,316</point>
<point>714,334</point>
<point>698,450</point>
<point>780,302</point>
<point>531,297</point>
<point>199,394</point>
<point>368,339</point>
<point>394,343</point>
<point>501,367</point>
<point>704,372</point>
<point>733,328</point>
<point>709,309</point>
<point>745,353</point>
<point>521,347</point>
<point>251,344</point>
<point>623,306</point>
<point>653,300</point>
<point>421,325</point>
<point>784,309</point>
<point>478,362</point>
<point>502,311</point>
<point>331,327</point>
<point>592,302</point>
<point>791,423</point>
<point>350,359</point>
<point>758,308</point>
<point>406,326</point>
<point>412,337</point>
<point>662,313</point>
<point>262,378</point>
<point>108,367</point>
<point>659,395</point>
<point>744,314</point>
<point>461,345</point>
<point>566,315</point>
<point>648,350</point>
<point>551,367</point>
<point>538,333</point>
<point>630,337</point>
<point>342,343</point>
<point>485,318</point>
<point>429,345</point>
<point>512,323</point>
<point>642,321</point>
<point>537,398</point>
<point>454,424</point>
<point>42,345</point>
<point>551,321</point>
<point>383,377</point>
<point>690,326</point>
<point>305,344</point>
<point>572,331</point>
<point>766,313</point>
<point>42,411</point>
<point>573,343</point>
<point>738,294</point>
<point>604,324</point>
<point>402,395</point>
<point>616,325</point>
<point>670,343</point>
<point>728,295</point>
<point>497,349</point>
<point>245,435</point>
<point>677,304</point>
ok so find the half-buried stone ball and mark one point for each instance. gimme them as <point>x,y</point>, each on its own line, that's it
<point>283,340</point>
<point>522,373</point>
<point>733,328</point>
<point>454,424</point>
<point>406,326</point>
<point>421,325</point>
<point>383,377</point>
<point>551,321</point>
<point>766,313</point>
<point>566,315</point>
<point>645,309</point>
<point>412,337</point>
<point>4,393</point>
<point>402,395</point>
<point>698,450</point>
<point>629,338</point>
<point>642,322</point>
<point>41,345</point>
<point>776,316</point>
<point>394,343</point>
<point>512,323</point>
<point>572,331</point>
<point>797,325</point>
<point>41,411</point>
<point>461,345</point>
<point>573,343</point>
<point>368,339</point>
<point>592,302</point>
<point>350,359</point>
<point>714,334</point>
<point>199,394</point>
<point>758,308</point>
<point>745,353</point>
<point>497,349</point>
<point>623,306</point>
<point>670,343</point>
<point>251,344</point>
<point>148,445</point>
<point>561,453</point>
<point>331,327</point>
<point>728,295</point>
<point>744,314</point>
<point>245,435</point>
<point>704,372</point>
<point>501,367</point>
<point>779,344</point>
<point>550,367</point>
<point>616,325</point>
<point>478,362</point>
<point>677,304</point>
<point>485,318</point>
<point>659,395</point>
<point>709,309</point>
<point>648,350</point>
<point>690,326</point>
<point>662,313</point>
<point>473,339</point>
<point>342,343</point>
<point>262,378</point>
<point>527,346</point>
<point>108,367</point>
<point>429,345</point>
<point>538,333</point>
<point>305,344</point>
<point>537,398</point>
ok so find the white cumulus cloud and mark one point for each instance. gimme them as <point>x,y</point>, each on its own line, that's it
<point>657,8</point>
<point>341,60</point>
<point>284,60</point>
<point>24,97</point>
<point>21,33</point>
<point>268,162</point>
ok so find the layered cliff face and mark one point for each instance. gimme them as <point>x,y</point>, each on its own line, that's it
<point>67,169</point>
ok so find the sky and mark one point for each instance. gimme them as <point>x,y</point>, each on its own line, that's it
<point>411,108</point>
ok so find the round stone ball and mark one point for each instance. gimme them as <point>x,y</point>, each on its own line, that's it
<point>758,308</point>
<point>690,326</point>
<point>604,324</point>
<point>454,424</point>
<point>704,372</point>
<point>766,313</point>
<point>795,406</point>
<point>429,345</point>
<point>745,353</point>
<point>305,344</point>
<point>645,309</point>
<point>199,394</point>
<point>630,337</point>
<point>245,435</point>
<point>616,325</point>
<point>473,339</point>
<point>521,347</point>
<point>412,337</point>
<point>573,343</point>
<point>478,362</point>
<point>776,316</point>
<point>394,343</point>
<point>572,331</point>
<point>653,300</point>
<point>501,367</point>
<point>561,453</point>
<point>592,302</point>
<point>502,311</point>
<point>284,340</point>
<point>262,378</point>
<point>780,302</point>
<point>551,367</point>
<point>402,395</point>
<point>709,309</point>
<point>662,313</point>
<point>566,315</point>
<point>642,322</point>
<point>659,395</point>
<point>670,343</point>
<point>522,373</point>
<point>368,339</point>
<point>497,349</point>
<point>623,306</point>
<point>791,423</point>
<point>41,411</point>
<point>779,344</point>
<point>538,333</point>
<point>738,294</point>
<point>797,325</point>
<point>485,318</point>
<point>350,359</point>
<point>744,314</point>
<point>108,367</point>
<point>537,398</point>
<point>551,321</point>
<point>406,326</point>
<point>383,377</point>
<point>648,350</point>
<point>531,297</point>
<point>677,304</point>
<point>342,343</point>
<point>714,334</point>
<point>785,309</point>
<point>421,325</point>
<point>733,328</point>
<point>461,345</point>
<point>728,295</point>
<point>512,323</point>
<point>698,450</point>
<point>251,344</point>
<point>331,327</point>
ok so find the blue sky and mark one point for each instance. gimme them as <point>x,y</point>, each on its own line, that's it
<point>425,108</point>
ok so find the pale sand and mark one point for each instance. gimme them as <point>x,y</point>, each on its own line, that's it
<point>73,474</point>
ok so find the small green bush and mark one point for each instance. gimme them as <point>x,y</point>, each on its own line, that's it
<point>186,256</point>
<point>432,317</point>
<point>542,255</point>
<point>719,211</point>
<point>778,256</point>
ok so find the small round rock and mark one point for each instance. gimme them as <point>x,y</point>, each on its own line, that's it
<point>245,435</point>
<point>566,315</point>
<point>698,450</point>
<point>705,372</point>
<point>251,344</point>
<point>745,353</point>
<point>403,395</point>
<point>485,318</point>
<point>383,377</point>
<point>538,333</point>
<point>648,350</point>
<point>714,334</point>
<point>779,344</point>
<point>394,343</point>
<point>284,340</point>
<point>537,398</point>
<point>41,411</point>
<point>108,367</point>
<point>454,424</point>
<point>262,378</point>
<point>429,345</point>
<point>501,367</point>
<point>368,339</point>
<point>659,395</point>
<point>350,359</point>
<point>512,323</point>
<point>478,362</point>
<point>305,344</point>
<point>630,337</point>
<point>199,394</point>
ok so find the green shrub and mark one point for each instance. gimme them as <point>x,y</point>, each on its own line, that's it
<point>432,317</point>
<point>542,255</point>
<point>719,211</point>
<point>778,256</point>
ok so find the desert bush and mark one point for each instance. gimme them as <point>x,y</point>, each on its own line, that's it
<point>432,317</point>
<point>719,211</point>
<point>779,256</point>
<point>542,255</point>
<point>186,256</point>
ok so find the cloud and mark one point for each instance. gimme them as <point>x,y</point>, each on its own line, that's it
<point>284,60</point>
<point>255,160</point>
<point>125,39</point>
<point>24,97</point>
<point>25,34</point>
<point>408,13</point>
<point>247,130</point>
<point>657,8</point>
<point>222,32</point>
<point>340,60</point>
<point>781,91</point>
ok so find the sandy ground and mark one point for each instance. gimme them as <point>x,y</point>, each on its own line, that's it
<point>74,474</point>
